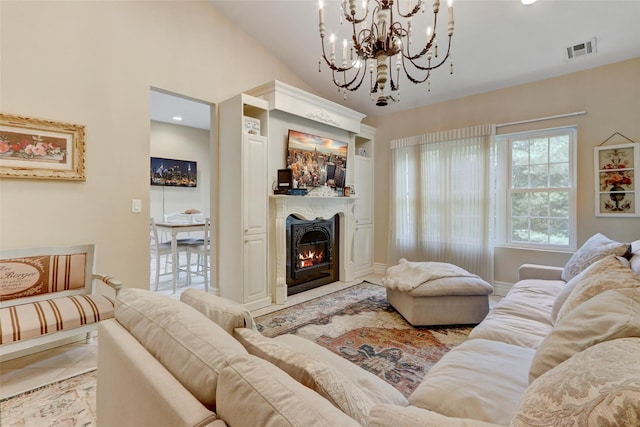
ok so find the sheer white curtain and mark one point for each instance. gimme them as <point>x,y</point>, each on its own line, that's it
<point>441,204</point>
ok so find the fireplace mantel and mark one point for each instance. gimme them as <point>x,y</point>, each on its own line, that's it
<point>309,208</point>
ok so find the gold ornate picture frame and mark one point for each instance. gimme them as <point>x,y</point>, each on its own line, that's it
<point>616,171</point>
<point>41,149</point>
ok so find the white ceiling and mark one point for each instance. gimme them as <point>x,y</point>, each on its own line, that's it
<point>497,44</point>
<point>163,107</point>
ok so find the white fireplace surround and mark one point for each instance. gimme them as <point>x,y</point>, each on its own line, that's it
<point>308,208</point>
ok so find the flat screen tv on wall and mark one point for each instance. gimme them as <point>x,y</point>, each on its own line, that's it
<point>174,173</point>
<point>316,160</point>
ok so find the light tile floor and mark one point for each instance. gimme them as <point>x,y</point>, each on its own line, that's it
<point>33,371</point>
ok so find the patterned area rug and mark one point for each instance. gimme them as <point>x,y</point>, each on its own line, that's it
<point>71,402</point>
<point>358,324</point>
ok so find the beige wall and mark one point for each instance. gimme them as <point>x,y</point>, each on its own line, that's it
<point>93,63</point>
<point>611,97</point>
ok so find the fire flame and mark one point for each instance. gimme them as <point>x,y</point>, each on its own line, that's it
<point>310,258</point>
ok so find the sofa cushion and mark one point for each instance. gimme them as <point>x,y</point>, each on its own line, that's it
<point>522,317</point>
<point>253,392</point>
<point>224,312</point>
<point>608,273</point>
<point>595,248</point>
<point>610,315</point>
<point>411,416</point>
<point>190,346</point>
<point>479,379</point>
<point>597,387</point>
<point>355,400</point>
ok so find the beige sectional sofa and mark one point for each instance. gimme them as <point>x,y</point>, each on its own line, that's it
<point>562,348</point>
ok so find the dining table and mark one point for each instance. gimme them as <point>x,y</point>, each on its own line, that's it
<point>175,228</point>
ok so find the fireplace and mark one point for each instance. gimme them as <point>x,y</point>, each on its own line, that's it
<point>312,253</point>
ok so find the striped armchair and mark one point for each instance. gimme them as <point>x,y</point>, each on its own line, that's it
<point>48,297</point>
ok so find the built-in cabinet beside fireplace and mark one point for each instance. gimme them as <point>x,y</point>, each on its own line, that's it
<point>362,256</point>
<point>242,221</point>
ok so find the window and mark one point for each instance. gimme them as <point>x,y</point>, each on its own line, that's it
<point>540,187</point>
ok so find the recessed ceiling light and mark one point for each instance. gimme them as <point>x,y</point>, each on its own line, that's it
<point>527,2</point>
<point>177,118</point>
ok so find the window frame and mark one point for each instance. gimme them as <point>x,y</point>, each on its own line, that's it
<point>505,191</point>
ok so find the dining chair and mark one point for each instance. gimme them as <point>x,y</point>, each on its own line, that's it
<point>159,249</point>
<point>203,250</point>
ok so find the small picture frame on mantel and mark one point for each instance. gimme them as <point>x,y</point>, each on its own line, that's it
<point>615,180</point>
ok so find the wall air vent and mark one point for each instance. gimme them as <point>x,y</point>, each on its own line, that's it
<point>581,49</point>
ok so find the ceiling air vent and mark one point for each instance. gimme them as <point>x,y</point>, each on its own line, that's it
<point>581,49</point>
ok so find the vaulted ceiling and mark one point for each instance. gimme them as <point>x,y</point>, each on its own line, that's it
<point>496,44</point>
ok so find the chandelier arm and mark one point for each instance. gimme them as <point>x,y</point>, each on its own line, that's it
<point>363,35</point>
<point>329,64</point>
<point>352,18</point>
<point>412,13</point>
<point>431,67</point>
<point>411,78</point>
<point>349,86</point>
<point>394,87</point>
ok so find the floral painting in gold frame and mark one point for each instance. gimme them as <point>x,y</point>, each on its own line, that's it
<point>41,149</point>
<point>616,172</point>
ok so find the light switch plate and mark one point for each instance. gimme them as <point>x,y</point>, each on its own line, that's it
<point>136,206</point>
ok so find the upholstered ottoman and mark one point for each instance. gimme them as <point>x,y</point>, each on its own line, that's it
<point>435,293</point>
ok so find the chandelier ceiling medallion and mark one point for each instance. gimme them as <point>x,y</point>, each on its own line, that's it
<point>380,41</point>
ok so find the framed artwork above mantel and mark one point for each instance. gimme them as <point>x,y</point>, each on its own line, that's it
<point>615,174</point>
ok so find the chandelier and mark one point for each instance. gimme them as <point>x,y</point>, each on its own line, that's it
<point>381,41</point>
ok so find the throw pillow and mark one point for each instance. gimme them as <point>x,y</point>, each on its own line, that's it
<point>566,291</point>
<point>191,347</point>
<point>608,273</point>
<point>610,315</point>
<point>594,249</point>
<point>378,389</point>
<point>597,387</point>
<point>311,372</point>
<point>224,312</point>
<point>253,392</point>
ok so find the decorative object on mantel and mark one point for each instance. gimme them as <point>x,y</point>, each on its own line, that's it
<point>43,149</point>
<point>615,169</point>
<point>324,191</point>
<point>297,192</point>
<point>383,42</point>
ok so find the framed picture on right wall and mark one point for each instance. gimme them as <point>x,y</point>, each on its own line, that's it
<point>615,173</point>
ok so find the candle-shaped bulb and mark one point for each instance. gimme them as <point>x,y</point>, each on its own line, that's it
<point>344,52</point>
<point>450,27</point>
<point>332,40</point>
<point>429,31</point>
<point>321,17</point>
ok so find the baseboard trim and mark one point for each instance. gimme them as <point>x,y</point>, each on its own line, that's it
<point>379,268</point>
